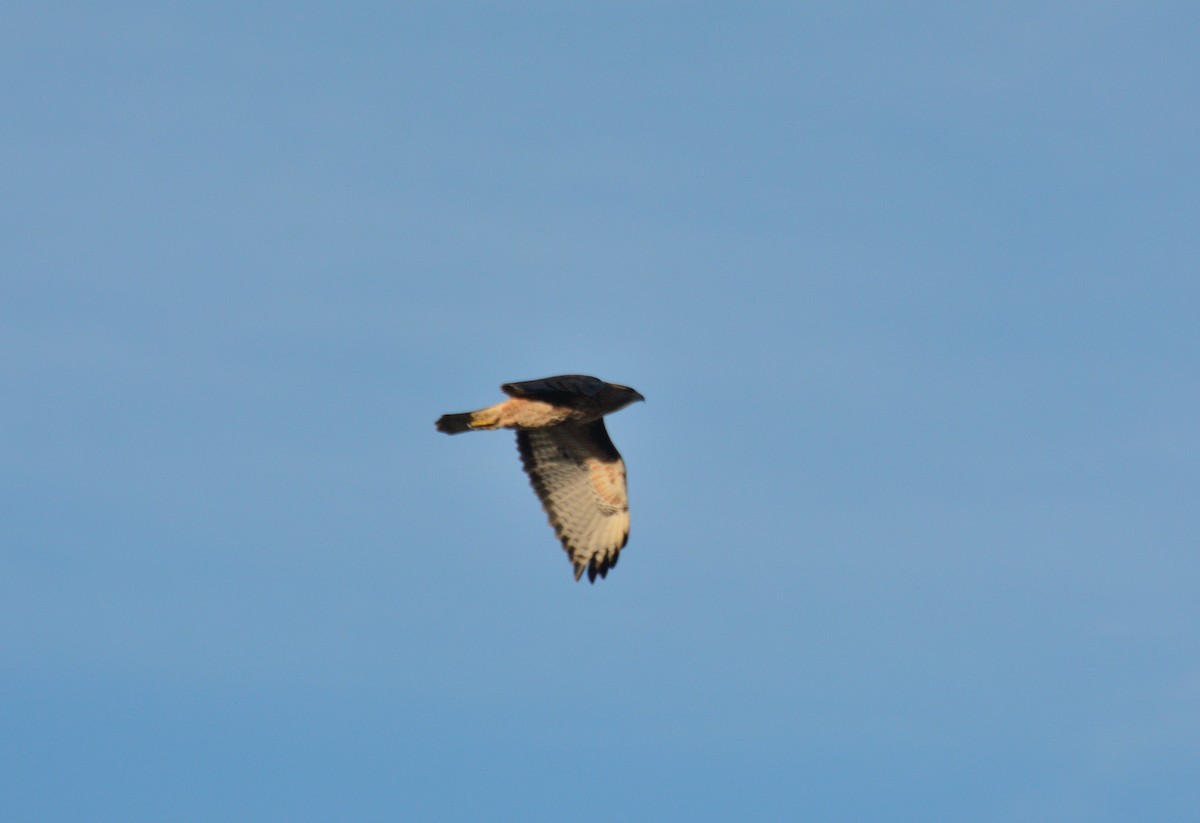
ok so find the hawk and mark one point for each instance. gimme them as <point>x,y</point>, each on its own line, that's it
<point>572,464</point>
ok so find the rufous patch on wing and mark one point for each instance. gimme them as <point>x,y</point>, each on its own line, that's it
<point>521,413</point>
<point>608,481</point>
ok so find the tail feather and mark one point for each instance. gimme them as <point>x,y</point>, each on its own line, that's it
<point>454,423</point>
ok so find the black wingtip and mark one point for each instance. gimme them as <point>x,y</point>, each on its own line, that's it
<point>591,570</point>
<point>454,423</point>
<point>596,569</point>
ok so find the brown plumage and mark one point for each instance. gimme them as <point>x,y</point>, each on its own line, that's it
<point>572,464</point>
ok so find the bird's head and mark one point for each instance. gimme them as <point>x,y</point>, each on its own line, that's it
<point>621,396</point>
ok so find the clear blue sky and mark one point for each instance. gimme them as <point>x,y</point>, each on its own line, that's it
<point>911,290</point>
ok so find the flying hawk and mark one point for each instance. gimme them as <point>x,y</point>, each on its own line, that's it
<point>571,462</point>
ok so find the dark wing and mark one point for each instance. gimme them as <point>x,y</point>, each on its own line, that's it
<point>561,389</point>
<point>580,479</point>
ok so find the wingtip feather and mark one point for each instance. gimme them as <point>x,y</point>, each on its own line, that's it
<point>454,423</point>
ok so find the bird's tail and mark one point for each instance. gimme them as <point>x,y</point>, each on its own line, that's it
<point>454,423</point>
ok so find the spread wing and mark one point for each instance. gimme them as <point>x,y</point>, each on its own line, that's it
<point>580,479</point>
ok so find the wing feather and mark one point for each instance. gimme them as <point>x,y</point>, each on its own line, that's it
<point>561,389</point>
<point>580,478</point>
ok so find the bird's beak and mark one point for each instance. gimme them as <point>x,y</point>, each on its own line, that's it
<point>637,395</point>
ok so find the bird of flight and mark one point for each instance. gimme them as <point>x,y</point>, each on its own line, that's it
<point>572,464</point>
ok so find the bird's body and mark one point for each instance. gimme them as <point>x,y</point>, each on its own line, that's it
<point>572,464</point>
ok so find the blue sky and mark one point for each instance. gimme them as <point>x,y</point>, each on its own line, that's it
<point>911,291</point>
